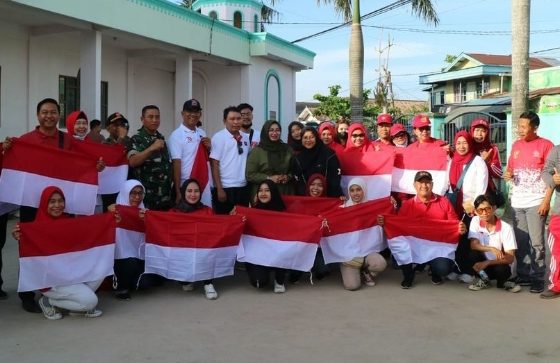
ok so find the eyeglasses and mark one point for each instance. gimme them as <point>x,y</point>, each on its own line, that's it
<point>276,131</point>
<point>355,136</point>
<point>401,134</point>
<point>239,147</point>
<point>246,113</point>
<point>488,210</point>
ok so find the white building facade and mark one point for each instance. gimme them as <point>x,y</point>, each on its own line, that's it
<point>108,56</point>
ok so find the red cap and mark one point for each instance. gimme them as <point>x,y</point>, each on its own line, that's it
<point>480,122</point>
<point>396,128</point>
<point>421,121</point>
<point>384,118</point>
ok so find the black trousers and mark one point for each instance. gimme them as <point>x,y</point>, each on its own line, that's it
<point>3,230</point>
<point>235,196</point>
<point>500,273</point>
<point>259,276</point>
<point>127,273</point>
<point>27,214</point>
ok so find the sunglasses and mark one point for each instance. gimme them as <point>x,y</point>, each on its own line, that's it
<point>425,128</point>
<point>355,136</point>
<point>239,147</point>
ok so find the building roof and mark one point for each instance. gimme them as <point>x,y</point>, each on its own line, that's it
<point>505,60</point>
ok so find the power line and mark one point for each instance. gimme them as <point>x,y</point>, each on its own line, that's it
<point>462,32</point>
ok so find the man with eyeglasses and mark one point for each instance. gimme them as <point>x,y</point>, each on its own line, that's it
<point>254,136</point>
<point>228,160</point>
<point>184,143</point>
<point>422,128</point>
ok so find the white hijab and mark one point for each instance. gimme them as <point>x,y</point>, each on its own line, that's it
<point>124,195</point>
<point>362,184</point>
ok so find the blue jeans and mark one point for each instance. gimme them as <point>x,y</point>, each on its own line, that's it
<point>528,226</point>
<point>441,266</point>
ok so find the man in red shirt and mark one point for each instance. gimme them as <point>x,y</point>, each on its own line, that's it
<point>384,123</point>
<point>428,205</point>
<point>422,129</point>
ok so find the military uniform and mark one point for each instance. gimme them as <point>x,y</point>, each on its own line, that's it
<point>155,172</point>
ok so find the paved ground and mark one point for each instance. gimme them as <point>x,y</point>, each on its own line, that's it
<point>320,323</point>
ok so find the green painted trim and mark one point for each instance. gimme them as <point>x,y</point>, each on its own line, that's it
<point>273,73</point>
<point>243,3</point>
<point>273,39</point>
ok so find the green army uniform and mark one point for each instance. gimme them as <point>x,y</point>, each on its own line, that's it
<point>155,173</point>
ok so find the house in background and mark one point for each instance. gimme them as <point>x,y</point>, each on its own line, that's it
<point>472,76</point>
<point>105,56</point>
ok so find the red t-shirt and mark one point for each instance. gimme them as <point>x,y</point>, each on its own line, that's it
<point>37,137</point>
<point>437,208</point>
<point>430,142</point>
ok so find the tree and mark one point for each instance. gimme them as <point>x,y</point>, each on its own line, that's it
<point>333,105</point>
<point>520,16</point>
<point>351,11</point>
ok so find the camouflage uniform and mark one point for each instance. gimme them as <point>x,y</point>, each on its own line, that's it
<point>155,173</point>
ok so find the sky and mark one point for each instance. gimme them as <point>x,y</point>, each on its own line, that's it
<point>411,53</point>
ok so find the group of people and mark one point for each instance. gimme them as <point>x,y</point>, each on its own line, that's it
<point>252,168</point>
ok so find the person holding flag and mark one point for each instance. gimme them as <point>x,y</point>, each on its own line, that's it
<point>77,298</point>
<point>422,128</point>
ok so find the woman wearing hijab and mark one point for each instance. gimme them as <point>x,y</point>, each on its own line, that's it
<point>399,136</point>
<point>367,267</point>
<point>328,136</point>
<point>272,159</point>
<point>358,139</point>
<point>77,125</point>
<point>482,146</point>
<point>77,298</point>
<point>191,203</point>
<point>294,136</point>
<point>316,186</point>
<point>468,178</point>
<point>316,158</point>
<point>129,269</point>
<point>268,198</point>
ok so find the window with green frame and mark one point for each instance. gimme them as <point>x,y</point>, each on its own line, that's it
<point>69,98</point>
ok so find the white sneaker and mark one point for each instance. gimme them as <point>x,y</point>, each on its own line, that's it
<point>512,286</point>
<point>465,278</point>
<point>479,284</point>
<point>49,311</point>
<point>279,288</point>
<point>210,292</point>
<point>452,276</point>
<point>188,287</point>
<point>94,313</point>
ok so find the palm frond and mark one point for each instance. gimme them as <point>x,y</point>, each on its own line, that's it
<point>343,7</point>
<point>425,10</point>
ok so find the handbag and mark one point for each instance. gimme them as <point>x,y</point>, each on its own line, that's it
<point>453,195</point>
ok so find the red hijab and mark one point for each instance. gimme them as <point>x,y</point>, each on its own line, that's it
<point>486,144</point>
<point>311,179</point>
<point>350,142</point>
<point>334,145</point>
<point>42,211</point>
<point>459,161</point>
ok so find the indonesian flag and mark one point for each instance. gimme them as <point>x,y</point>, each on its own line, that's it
<point>5,207</point>
<point>187,247</point>
<point>313,206</point>
<point>409,161</point>
<point>375,167</point>
<point>131,233</point>
<point>353,231</point>
<point>279,239</point>
<point>116,164</point>
<point>30,168</point>
<point>66,251</point>
<point>420,240</point>
<point>201,172</point>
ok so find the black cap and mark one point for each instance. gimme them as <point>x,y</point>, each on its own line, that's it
<point>117,117</point>
<point>422,175</point>
<point>192,105</point>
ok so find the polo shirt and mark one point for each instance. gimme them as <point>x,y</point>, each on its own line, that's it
<point>39,138</point>
<point>526,161</point>
<point>232,164</point>
<point>436,208</point>
<point>502,238</point>
<point>183,144</point>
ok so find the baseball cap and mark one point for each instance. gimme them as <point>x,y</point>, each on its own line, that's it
<point>384,118</point>
<point>397,128</point>
<point>117,117</point>
<point>479,122</point>
<point>422,175</point>
<point>192,105</point>
<point>421,121</point>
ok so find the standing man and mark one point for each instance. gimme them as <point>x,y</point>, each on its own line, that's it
<point>228,160</point>
<point>149,159</point>
<point>117,126</point>
<point>422,128</point>
<point>95,132</point>
<point>551,176</point>
<point>384,123</point>
<point>184,142</point>
<point>530,200</point>
<point>246,111</point>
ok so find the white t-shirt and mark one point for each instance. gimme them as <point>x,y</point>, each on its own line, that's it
<point>183,144</point>
<point>502,238</point>
<point>232,164</point>
<point>476,180</point>
<point>256,137</point>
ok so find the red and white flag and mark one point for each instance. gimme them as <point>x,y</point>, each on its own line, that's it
<point>375,167</point>
<point>279,239</point>
<point>409,161</point>
<point>186,247</point>
<point>201,172</point>
<point>312,206</point>
<point>420,240</point>
<point>131,233</point>
<point>116,163</point>
<point>66,251</point>
<point>353,231</point>
<point>30,168</point>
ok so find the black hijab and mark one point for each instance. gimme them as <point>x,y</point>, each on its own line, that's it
<point>276,203</point>
<point>185,206</point>
<point>295,144</point>
<point>276,151</point>
<point>308,157</point>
